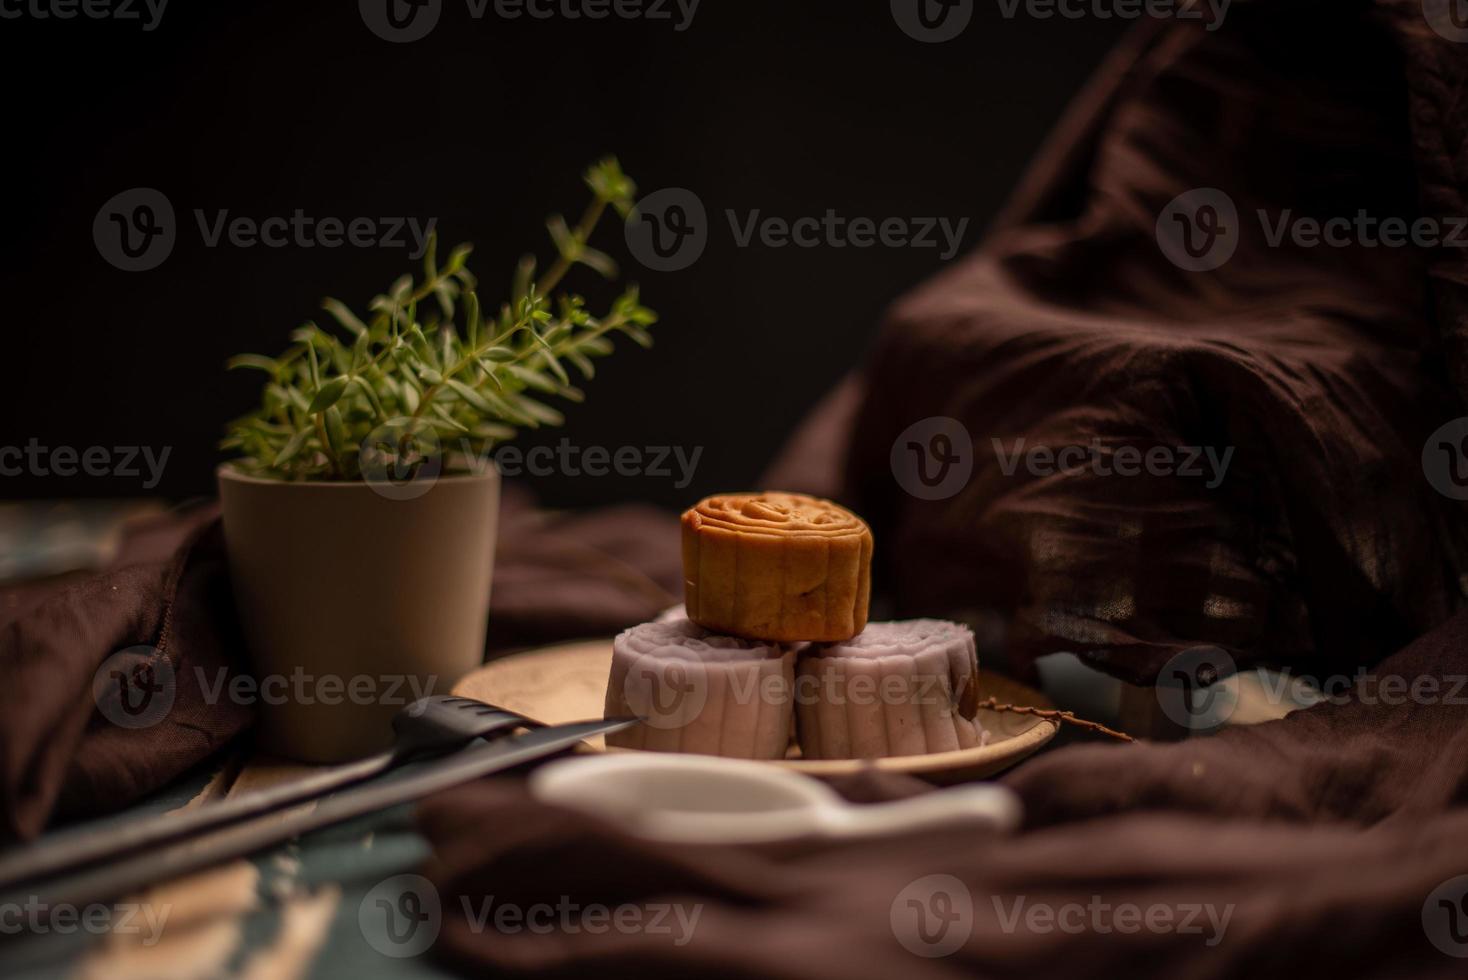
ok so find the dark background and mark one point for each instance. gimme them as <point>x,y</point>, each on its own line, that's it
<point>788,106</point>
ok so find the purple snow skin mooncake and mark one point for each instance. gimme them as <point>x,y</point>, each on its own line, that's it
<point>903,688</point>
<point>695,691</point>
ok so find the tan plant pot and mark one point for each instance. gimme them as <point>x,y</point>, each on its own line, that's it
<point>354,603</point>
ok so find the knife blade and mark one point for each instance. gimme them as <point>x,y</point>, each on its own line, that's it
<point>405,785</point>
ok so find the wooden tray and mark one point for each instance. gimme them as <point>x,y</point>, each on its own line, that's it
<point>569,683</point>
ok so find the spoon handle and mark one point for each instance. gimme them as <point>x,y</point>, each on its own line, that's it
<point>988,804</point>
<point>90,844</point>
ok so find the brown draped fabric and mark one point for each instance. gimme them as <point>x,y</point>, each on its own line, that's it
<point>1318,845</point>
<point>556,577</point>
<point>1320,371</point>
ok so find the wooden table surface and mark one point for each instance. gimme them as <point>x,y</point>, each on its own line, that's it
<point>293,911</point>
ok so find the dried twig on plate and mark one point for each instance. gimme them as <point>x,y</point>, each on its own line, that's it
<point>1052,715</point>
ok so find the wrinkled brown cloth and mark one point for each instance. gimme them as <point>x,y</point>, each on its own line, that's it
<point>1325,832</point>
<point>167,589</point>
<point>1324,368</point>
<point>556,577</point>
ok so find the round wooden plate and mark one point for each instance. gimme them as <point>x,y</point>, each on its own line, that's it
<point>569,683</point>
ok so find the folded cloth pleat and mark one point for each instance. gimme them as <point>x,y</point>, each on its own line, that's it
<point>162,616</point>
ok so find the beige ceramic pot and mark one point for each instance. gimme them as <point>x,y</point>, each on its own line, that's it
<point>355,602</point>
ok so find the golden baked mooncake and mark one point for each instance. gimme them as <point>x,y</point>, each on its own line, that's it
<point>776,566</point>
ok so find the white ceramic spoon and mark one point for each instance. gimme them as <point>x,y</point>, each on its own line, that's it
<point>702,799</point>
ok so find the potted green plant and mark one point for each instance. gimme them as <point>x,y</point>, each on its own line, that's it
<point>360,515</point>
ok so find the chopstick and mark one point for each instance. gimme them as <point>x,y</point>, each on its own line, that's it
<point>413,782</point>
